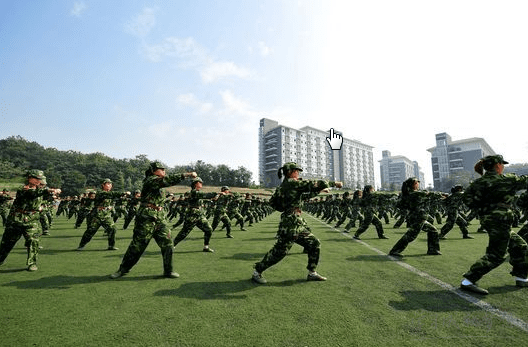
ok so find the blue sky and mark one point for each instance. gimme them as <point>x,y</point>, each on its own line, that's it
<point>182,81</point>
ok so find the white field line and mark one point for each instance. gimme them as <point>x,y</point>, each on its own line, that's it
<point>475,301</point>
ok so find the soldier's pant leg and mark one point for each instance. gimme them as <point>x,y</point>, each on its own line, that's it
<point>379,227</point>
<point>433,237</point>
<point>313,247</point>
<point>518,250</point>
<point>188,225</point>
<point>411,235</point>
<point>499,238</point>
<point>9,239</point>
<point>207,230</point>
<point>162,236</point>
<point>523,232</point>
<point>275,254</point>
<point>32,243</point>
<point>90,232</point>
<point>140,241</point>
<point>111,231</point>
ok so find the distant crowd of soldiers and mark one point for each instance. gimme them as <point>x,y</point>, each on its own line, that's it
<point>245,209</point>
<point>346,209</point>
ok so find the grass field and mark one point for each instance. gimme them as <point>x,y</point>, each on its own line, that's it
<point>369,299</point>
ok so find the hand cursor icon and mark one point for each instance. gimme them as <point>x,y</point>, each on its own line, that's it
<point>335,140</point>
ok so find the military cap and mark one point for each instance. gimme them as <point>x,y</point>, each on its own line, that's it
<point>196,180</point>
<point>224,188</point>
<point>106,180</point>
<point>156,165</point>
<point>291,166</point>
<point>491,160</point>
<point>36,173</point>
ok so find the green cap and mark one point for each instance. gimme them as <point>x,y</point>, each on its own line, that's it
<point>491,160</point>
<point>156,165</point>
<point>224,188</point>
<point>291,166</point>
<point>196,180</point>
<point>106,180</point>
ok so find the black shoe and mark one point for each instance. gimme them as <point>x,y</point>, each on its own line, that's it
<point>355,237</point>
<point>112,248</point>
<point>229,236</point>
<point>383,237</point>
<point>467,237</point>
<point>208,250</point>
<point>473,288</point>
<point>396,254</point>
<point>434,253</point>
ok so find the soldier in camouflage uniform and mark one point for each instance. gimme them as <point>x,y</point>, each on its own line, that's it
<point>101,215</point>
<point>369,202</point>
<point>87,204</point>
<point>133,207</point>
<point>355,211</point>
<point>23,218</point>
<point>5,204</point>
<point>453,205</point>
<point>151,220</point>
<point>292,227</point>
<point>233,210</point>
<point>195,215</point>
<point>220,214</point>
<point>491,196</point>
<point>416,201</point>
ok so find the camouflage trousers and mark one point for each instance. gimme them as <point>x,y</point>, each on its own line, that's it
<point>221,216</point>
<point>236,215</point>
<point>292,229</point>
<point>145,229</point>
<point>452,219</point>
<point>13,232</point>
<point>501,240</point>
<point>370,218</point>
<point>95,222</point>
<point>194,218</point>
<point>415,227</point>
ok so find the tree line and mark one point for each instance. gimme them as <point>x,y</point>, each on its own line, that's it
<point>74,172</point>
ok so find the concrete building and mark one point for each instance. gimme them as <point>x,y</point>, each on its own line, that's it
<point>396,169</point>
<point>279,144</point>
<point>453,161</point>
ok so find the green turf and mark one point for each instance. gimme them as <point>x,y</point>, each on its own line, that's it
<point>368,300</point>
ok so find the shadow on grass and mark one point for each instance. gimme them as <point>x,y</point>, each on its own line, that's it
<point>245,256</point>
<point>504,289</point>
<point>372,257</point>
<point>57,282</point>
<point>432,300</point>
<point>210,290</point>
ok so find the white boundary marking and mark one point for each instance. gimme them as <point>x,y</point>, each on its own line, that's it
<point>475,301</point>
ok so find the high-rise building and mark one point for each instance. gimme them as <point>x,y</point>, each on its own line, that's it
<point>396,169</point>
<point>308,147</point>
<point>453,161</point>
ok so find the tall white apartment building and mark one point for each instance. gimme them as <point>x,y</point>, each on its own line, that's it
<point>453,161</point>
<point>278,144</point>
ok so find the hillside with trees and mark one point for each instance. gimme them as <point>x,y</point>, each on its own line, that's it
<point>74,172</point>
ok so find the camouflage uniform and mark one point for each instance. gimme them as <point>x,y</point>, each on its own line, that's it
<point>220,214</point>
<point>491,196</point>
<point>195,216</point>
<point>453,205</point>
<point>292,227</point>
<point>23,220</point>
<point>369,202</point>
<point>133,207</point>
<point>101,215</point>
<point>5,204</point>
<point>151,221</point>
<point>416,203</point>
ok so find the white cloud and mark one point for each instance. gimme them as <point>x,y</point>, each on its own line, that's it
<point>217,70</point>
<point>78,8</point>
<point>191,100</point>
<point>191,55</point>
<point>142,24</point>
<point>264,49</point>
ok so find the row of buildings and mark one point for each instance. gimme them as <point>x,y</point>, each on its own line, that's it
<point>451,161</point>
